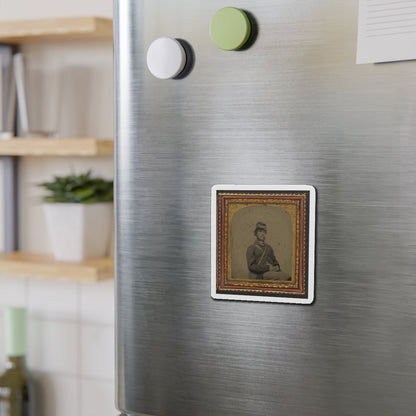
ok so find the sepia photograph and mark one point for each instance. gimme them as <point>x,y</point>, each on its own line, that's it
<point>263,243</point>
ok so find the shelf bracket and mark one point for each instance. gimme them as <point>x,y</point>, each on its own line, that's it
<point>10,203</point>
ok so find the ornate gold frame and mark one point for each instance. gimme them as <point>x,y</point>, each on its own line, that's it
<point>297,203</point>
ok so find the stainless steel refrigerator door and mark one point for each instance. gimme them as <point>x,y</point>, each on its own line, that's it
<point>292,109</point>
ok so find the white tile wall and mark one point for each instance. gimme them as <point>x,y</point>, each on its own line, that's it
<point>70,343</point>
<point>12,292</point>
<point>97,302</point>
<point>2,341</point>
<point>93,389</point>
<point>53,346</point>
<point>97,352</point>
<point>50,298</point>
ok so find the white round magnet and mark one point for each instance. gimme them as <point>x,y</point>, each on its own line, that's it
<point>166,58</point>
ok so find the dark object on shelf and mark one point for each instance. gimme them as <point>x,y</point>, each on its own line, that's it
<point>7,93</point>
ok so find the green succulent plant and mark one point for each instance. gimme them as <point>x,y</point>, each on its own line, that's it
<point>82,189</point>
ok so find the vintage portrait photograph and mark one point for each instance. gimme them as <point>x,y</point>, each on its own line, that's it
<point>263,243</point>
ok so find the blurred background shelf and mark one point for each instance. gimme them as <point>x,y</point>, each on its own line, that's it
<point>39,30</point>
<point>69,69</point>
<point>56,147</point>
<point>44,266</point>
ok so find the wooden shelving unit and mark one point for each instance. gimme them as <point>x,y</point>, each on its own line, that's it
<point>41,30</point>
<point>44,266</point>
<point>41,265</point>
<point>56,147</point>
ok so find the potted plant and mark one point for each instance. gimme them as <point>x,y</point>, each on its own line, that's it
<point>79,216</point>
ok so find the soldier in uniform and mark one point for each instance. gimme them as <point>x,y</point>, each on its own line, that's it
<point>261,260</point>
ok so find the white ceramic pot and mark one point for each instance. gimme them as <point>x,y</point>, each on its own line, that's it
<point>79,231</point>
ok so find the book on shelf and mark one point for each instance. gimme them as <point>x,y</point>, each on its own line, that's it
<point>7,92</point>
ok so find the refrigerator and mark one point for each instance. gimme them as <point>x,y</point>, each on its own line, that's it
<point>280,108</point>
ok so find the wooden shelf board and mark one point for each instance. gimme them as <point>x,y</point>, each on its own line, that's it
<point>44,266</point>
<point>19,146</point>
<point>39,30</point>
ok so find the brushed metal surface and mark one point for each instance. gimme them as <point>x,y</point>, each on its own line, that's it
<point>292,109</point>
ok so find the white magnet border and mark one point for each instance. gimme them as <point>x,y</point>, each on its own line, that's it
<point>311,248</point>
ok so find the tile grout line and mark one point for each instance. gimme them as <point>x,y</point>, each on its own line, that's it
<point>70,375</point>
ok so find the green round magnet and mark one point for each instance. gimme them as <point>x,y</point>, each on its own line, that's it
<point>230,28</point>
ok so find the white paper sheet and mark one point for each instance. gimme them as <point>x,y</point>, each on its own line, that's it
<point>386,31</point>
